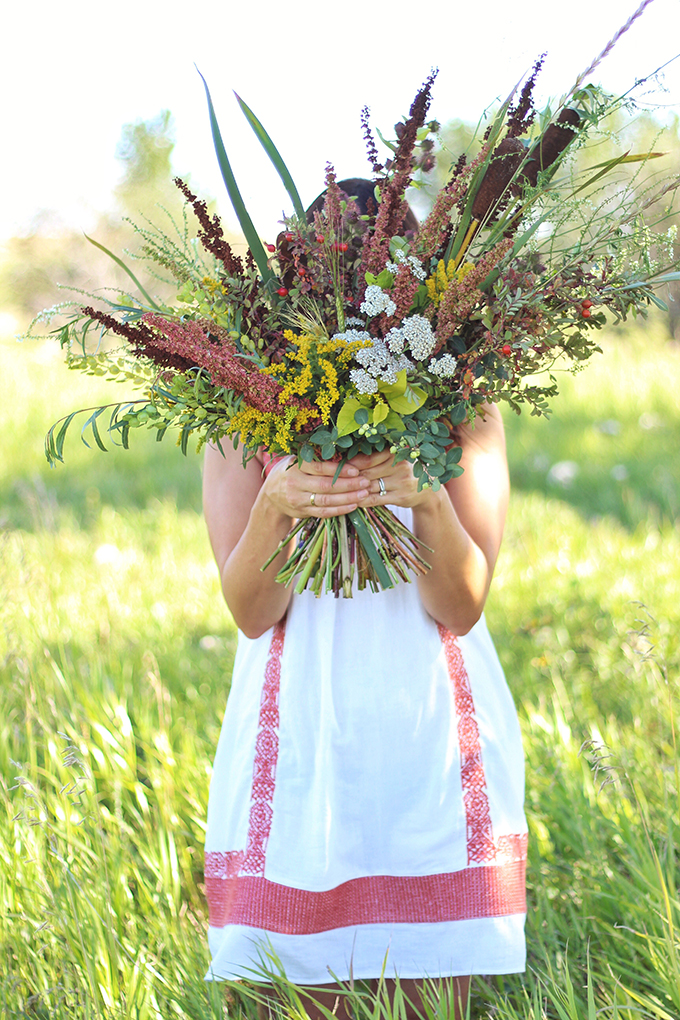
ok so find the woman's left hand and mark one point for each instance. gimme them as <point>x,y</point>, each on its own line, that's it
<point>399,482</point>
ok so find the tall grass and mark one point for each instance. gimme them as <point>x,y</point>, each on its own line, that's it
<point>115,655</point>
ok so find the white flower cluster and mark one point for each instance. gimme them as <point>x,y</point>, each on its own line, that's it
<point>364,382</point>
<point>351,335</point>
<point>377,301</point>
<point>379,365</point>
<point>411,261</point>
<point>353,321</point>
<point>444,367</point>
<point>415,334</point>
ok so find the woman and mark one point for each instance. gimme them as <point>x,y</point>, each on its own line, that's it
<point>366,806</point>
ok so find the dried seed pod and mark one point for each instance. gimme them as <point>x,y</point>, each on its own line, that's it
<point>551,144</point>
<point>507,157</point>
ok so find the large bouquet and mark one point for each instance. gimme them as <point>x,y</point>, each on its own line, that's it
<point>355,332</point>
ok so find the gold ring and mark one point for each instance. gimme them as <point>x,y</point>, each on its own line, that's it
<point>312,499</point>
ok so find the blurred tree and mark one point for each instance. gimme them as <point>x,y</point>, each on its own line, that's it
<point>145,151</point>
<point>32,266</point>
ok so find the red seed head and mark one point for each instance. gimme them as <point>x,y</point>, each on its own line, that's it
<point>586,313</point>
<point>507,349</point>
<point>587,303</point>
<point>320,239</point>
<point>282,291</point>
<point>289,237</point>
<point>271,247</point>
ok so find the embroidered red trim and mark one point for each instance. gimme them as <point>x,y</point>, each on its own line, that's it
<point>484,891</point>
<point>480,842</point>
<point>266,757</point>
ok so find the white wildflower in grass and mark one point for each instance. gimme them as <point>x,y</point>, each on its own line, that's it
<point>364,382</point>
<point>377,301</point>
<point>419,337</point>
<point>444,367</point>
<point>353,321</point>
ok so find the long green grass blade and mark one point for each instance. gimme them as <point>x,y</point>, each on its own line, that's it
<point>364,536</point>
<point>275,156</point>
<point>610,165</point>
<point>147,297</point>
<point>247,226</point>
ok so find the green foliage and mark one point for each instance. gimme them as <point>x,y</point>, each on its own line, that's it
<point>115,654</point>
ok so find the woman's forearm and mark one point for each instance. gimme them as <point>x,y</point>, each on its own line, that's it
<point>454,590</point>
<point>256,600</point>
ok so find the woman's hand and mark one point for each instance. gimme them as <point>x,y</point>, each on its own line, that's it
<point>399,483</point>
<point>309,491</point>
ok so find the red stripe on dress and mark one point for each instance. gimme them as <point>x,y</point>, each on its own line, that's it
<point>480,842</point>
<point>264,764</point>
<point>484,891</point>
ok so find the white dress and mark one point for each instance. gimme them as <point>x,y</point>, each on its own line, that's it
<point>366,806</point>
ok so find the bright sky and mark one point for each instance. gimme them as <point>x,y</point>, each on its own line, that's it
<point>72,73</point>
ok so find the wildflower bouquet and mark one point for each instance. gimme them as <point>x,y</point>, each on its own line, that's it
<point>355,332</point>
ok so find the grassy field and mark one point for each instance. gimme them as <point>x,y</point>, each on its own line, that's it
<point>115,656</point>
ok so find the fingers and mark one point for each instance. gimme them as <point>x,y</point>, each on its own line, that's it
<point>328,467</point>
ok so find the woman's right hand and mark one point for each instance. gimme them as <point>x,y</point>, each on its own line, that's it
<point>290,488</point>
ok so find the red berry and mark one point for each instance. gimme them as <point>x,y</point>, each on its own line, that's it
<point>271,247</point>
<point>320,239</point>
<point>587,303</point>
<point>282,291</point>
<point>289,237</point>
<point>586,313</point>
<point>507,349</point>
<point>342,246</point>
<point>302,271</point>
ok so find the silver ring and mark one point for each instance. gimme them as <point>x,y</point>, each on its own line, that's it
<point>312,499</point>
<point>383,490</point>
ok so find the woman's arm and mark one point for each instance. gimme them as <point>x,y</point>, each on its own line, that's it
<point>463,522</point>
<point>248,516</point>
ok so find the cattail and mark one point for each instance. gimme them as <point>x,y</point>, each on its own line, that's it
<point>551,145</point>
<point>503,166</point>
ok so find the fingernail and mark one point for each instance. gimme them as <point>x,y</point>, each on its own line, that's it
<point>363,493</point>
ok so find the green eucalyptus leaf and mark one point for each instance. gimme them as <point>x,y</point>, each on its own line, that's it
<point>458,414</point>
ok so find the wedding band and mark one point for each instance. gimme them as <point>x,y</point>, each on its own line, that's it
<point>312,499</point>
<point>383,490</point>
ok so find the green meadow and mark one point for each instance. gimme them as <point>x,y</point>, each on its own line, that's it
<point>115,658</point>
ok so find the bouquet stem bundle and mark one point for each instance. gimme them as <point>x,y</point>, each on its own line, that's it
<point>369,543</point>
